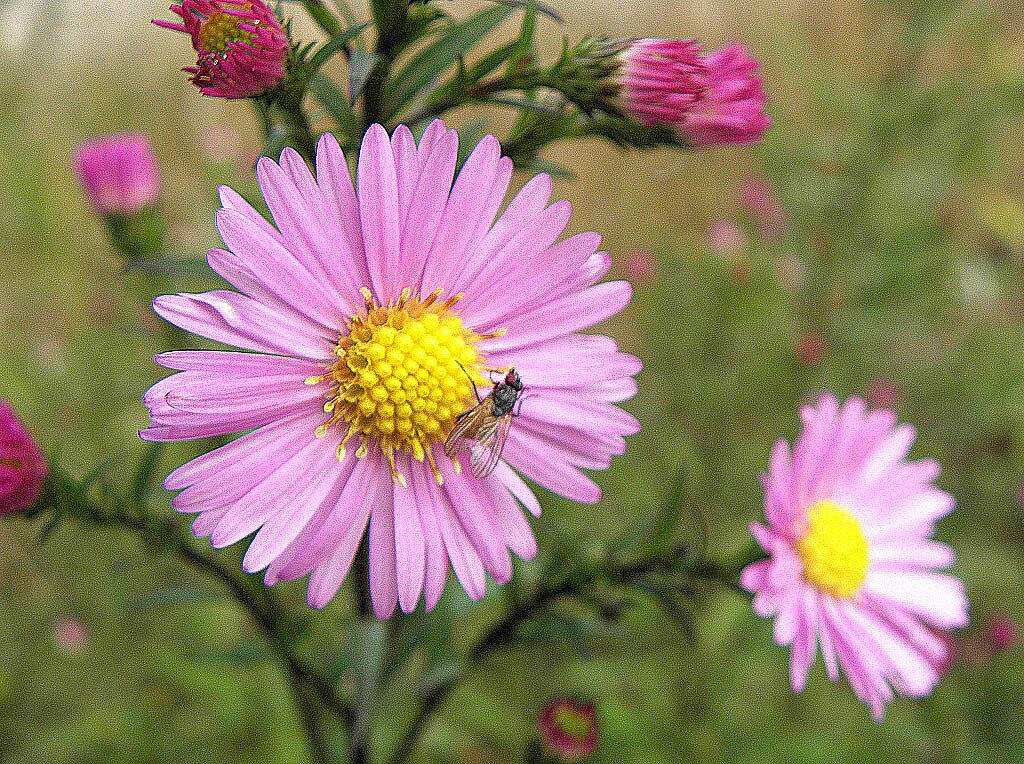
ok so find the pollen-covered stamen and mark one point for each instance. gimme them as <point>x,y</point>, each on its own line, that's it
<point>402,376</point>
<point>221,29</point>
<point>834,550</point>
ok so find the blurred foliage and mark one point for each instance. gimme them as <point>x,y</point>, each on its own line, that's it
<point>896,158</point>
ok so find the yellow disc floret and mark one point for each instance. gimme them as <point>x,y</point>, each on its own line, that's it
<point>834,550</point>
<point>402,376</point>
<point>220,29</point>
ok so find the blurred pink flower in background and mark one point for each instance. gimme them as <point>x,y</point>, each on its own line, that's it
<point>730,108</point>
<point>791,272</point>
<point>568,729</point>
<point>641,267</point>
<point>726,239</point>
<point>759,199</point>
<point>660,80</point>
<point>119,173</point>
<point>23,466</point>
<point>242,48</point>
<point>811,348</point>
<point>884,393</point>
<point>70,634</point>
<point>852,568</point>
<point>1001,631</point>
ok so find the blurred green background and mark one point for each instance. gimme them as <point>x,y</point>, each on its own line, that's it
<point>896,159</point>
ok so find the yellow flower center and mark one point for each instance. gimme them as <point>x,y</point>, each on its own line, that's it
<point>402,376</point>
<point>220,29</point>
<point>834,550</point>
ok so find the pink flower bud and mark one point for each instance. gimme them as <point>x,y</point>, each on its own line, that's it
<point>661,80</point>
<point>568,729</point>
<point>1001,632</point>
<point>70,634</point>
<point>23,465</point>
<point>242,47</point>
<point>730,108</point>
<point>726,239</point>
<point>811,348</point>
<point>119,173</point>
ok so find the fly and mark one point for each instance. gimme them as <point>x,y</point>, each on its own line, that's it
<point>485,426</point>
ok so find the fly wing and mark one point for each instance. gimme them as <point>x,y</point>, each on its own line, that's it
<point>490,441</point>
<point>467,424</point>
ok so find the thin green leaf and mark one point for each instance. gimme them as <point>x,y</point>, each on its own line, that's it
<point>544,8</point>
<point>142,482</point>
<point>359,68</point>
<point>444,52</point>
<point>169,597</point>
<point>191,267</point>
<point>337,104</point>
<point>336,44</point>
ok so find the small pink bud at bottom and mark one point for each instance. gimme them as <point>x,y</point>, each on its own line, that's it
<point>568,729</point>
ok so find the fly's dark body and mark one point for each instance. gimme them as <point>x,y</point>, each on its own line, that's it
<point>505,396</point>
<point>485,426</point>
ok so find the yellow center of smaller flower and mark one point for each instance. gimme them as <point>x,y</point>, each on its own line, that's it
<point>834,550</point>
<point>221,29</point>
<point>402,376</point>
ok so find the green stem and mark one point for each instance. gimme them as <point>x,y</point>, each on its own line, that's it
<point>504,630</point>
<point>310,689</point>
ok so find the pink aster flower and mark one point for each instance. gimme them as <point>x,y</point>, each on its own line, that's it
<point>119,173</point>
<point>242,47</point>
<point>661,79</point>
<point>367,311</point>
<point>568,729</point>
<point>852,568</point>
<point>23,465</point>
<point>730,108</point>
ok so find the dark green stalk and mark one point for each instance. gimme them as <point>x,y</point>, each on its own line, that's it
<point>504,630</point>
<point>70,499</point>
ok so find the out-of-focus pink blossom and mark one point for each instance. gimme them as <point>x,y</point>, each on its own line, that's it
<point>758,197</point>
<point>1001,632</point>
<point>641,267</point>
<point>23,466</point>
<point>70,634</point>
<point>730,108</point>
<point>884,393</point>
<point>811,347</point>
<point>119,173</point>
<point>241,46</point>
<point>726,239</point>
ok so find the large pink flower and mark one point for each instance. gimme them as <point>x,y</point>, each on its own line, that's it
<point>367,310</point>
<point>853,568</point>
<point>242,49</point>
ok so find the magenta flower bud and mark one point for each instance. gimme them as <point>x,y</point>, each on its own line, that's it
<point>119,173</point>
<point>23,465</point>
<point>730,108</point>
<point>568,729</point>
<point>242,47</point>
<point>1001,632</point>
<point>661,80</point>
